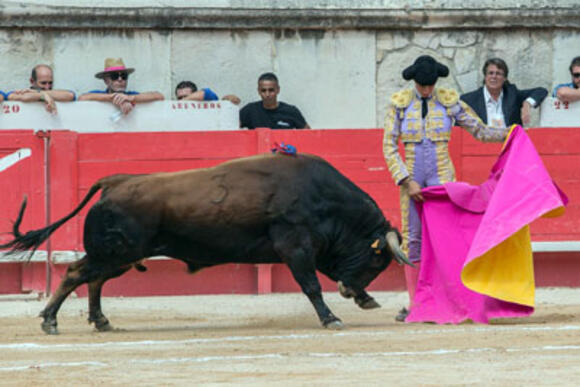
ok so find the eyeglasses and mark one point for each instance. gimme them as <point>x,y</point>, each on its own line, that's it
<point>498,73</point>
<point>115,76</point>
<point>576,75</point>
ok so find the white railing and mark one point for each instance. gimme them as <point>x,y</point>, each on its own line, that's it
<point>558,114</point>
<point>90,116</point>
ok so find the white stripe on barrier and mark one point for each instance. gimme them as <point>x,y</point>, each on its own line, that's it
<point>38,256</point>
<point>62,257</point>
<point>13,158</point>
<point>555,246</point>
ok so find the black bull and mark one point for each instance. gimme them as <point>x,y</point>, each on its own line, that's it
<point>298,210</point>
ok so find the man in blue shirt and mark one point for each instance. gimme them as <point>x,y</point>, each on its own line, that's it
<point>187,91</point>
<point>41,81</point>
<point>570,92</point>
<point>116,76</point>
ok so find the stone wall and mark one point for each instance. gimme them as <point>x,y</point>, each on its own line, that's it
<point>337,60</point>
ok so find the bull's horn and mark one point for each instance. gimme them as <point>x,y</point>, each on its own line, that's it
<point>393,242</point>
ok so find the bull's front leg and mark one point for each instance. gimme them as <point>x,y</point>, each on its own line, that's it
<point>294,246</point>
<point>305,275</point>
<point>311,287</point>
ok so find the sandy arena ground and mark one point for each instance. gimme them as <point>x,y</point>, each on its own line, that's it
<point>277,340</point>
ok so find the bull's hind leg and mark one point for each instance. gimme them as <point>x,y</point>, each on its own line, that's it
<point>96,315</point>
<point>77,274</point>
<point>295,249</point>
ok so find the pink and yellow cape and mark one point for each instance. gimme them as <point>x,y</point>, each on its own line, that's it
<point>476,251</point>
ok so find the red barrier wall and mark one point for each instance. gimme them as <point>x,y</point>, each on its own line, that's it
<point>77,160</point>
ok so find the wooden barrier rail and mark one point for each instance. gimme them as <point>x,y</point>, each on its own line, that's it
<point>74,161</point>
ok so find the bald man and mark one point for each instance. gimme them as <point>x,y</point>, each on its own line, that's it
<point>41,82</point>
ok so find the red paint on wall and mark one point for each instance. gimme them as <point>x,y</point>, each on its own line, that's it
<point>78,160</point>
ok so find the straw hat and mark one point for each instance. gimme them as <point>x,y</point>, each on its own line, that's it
<point>114,65</point>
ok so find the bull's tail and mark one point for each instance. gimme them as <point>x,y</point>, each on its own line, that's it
<point>32,239</point>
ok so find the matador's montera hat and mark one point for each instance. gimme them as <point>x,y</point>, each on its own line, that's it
<point>425,71</point>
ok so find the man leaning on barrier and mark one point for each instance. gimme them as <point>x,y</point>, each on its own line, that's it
<point>187,91</point>
<point>41,82</point>
<point>116,76</point>
<point>570,92</point>
<point>499,102</point>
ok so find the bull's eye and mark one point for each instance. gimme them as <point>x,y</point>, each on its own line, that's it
<point>377,261</point>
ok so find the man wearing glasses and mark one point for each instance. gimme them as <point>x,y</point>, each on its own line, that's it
<point>570,92</point>
<point>116,76</point>
<point>41,81</point>
<point>499,102</point>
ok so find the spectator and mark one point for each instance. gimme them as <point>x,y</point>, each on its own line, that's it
<point>116,77</point>
<point>269,113</point>
<point>41,81</point>
<point>422,119</point>
<point>570,92</point>
<point>499,102</point>
<point>187,91</point>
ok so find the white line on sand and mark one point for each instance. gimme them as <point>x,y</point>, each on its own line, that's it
<point>129,344</point>
<point>205,359</point>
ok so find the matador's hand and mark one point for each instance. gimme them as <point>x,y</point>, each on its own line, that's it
<point>414,190</point>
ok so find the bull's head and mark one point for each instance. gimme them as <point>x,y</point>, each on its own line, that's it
<point>381,252</point>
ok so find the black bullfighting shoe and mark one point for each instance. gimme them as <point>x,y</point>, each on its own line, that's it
<point>403,313</point>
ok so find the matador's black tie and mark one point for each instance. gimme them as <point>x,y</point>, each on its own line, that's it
<point>424,107</point>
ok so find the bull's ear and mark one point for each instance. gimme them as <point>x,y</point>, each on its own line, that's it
<point>378,245</point>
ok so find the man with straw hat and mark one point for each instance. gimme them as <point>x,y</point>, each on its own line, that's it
<point>116,76</point>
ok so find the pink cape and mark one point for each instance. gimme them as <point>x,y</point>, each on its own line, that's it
<point>476,258</point>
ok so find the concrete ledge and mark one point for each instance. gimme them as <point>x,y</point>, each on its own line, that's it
<point>404,18</point>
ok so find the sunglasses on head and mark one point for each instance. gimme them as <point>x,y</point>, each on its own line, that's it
<point>115,76</point>
<point>576,75</point>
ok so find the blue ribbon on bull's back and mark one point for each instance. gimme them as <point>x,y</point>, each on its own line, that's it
<point>285,149</point>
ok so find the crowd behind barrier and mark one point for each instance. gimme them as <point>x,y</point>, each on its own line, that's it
<point>498,102</point>
<point>56,167</point>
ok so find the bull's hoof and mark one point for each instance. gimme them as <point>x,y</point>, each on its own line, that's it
<point>106,327</point>
<point>49,328</point>
<point>367,303</point>
<point>332,322</point>
<point>101,324</point>
<point>336,325</point>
